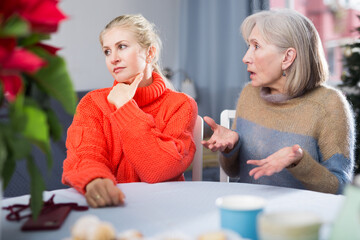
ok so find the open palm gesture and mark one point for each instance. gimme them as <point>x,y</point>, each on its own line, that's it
<point>276,162</point>
<point>223,139</point>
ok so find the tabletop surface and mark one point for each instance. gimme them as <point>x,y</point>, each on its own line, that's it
<point>186,207</point>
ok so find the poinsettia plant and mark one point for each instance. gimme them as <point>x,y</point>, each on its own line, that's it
<point>31,73</point>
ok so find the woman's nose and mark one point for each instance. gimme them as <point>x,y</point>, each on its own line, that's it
<point>115,58</point>
<point>247,59</point>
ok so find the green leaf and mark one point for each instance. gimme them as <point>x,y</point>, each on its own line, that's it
<point>8,170</point>
<point>37,95</point>
<point>37,186</point>
<point>17,116</point>
<point>15,27</point>
<point>37,130</point>
<point>54,124</point>
<point>55,80</point>
<point>9,164</point>
<point>3,151</point>
<point>19,146</point>
<point>1,94</point>
<point>36,127</point>
<point>32,39</point>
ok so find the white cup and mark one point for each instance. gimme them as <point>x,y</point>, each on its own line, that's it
<point>289,226</point>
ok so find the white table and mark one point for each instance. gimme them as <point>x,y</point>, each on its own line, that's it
<point>186,207</point>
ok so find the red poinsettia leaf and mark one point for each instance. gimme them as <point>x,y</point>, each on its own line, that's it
<point>12,85</point>
<point>23,60</point>
<point>50,49</point>
<point>43,15</point>
<point>7,45</point>
<point>7,8</point>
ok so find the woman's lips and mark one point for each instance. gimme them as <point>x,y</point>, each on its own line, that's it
<point>252,74</point>
<point>118,69</point>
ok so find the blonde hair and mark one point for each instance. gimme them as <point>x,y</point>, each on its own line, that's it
<point>285,29</point>
<point>145,34</point>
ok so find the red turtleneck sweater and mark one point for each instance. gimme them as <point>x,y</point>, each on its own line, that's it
<point>149,139</point>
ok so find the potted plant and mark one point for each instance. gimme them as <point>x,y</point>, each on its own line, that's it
<point>31,73</point>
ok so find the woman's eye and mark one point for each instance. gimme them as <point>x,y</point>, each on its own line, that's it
<point>122,46</point>
<point>257,46</point>
<point>107,52</point>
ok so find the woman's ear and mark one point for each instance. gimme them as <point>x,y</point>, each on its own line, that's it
<point>289,58</point>
<point>151,54</point>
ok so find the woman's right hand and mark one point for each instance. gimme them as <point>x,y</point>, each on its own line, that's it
<point>102,192</point>
<point>121,93</point>
<point>223,139</point>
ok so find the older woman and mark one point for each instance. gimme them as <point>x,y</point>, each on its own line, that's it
<point>290,129</point>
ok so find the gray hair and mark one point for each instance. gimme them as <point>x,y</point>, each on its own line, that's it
<point>285,29</point>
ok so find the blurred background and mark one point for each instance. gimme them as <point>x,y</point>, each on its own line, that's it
<point>202,53</point>
<point>201,41</point>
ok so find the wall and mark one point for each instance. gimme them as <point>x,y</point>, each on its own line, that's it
<point>78,36</point>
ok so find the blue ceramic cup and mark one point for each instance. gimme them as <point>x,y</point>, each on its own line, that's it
<point>239,213</point>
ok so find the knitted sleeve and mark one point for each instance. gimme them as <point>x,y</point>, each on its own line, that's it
<point>336,144</point>
<point>87,152</point>
<point>229,161</point>
<point>158,151</point>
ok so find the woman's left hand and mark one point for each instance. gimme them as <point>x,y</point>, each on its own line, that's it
<point>276,162</point>
<point>122,92</point>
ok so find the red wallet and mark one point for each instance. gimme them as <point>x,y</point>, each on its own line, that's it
<point>49,219</point>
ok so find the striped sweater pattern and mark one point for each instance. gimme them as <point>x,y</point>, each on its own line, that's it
<point>320,121</point>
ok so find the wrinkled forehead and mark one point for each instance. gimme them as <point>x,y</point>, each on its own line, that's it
<point>256,34</point>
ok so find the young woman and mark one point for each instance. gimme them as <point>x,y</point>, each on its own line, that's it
<point>136,131</point>
<point>290,130</point>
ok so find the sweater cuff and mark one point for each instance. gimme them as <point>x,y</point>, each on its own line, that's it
<point>303,167</point>
<point>235,149</point>
<point>82,180</point>
<point>126,113</point>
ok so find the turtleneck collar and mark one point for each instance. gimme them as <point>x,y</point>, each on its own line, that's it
<point>273,98</point>
<point>146,95</point>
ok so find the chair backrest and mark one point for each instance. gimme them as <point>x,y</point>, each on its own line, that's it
<point>225,119</point>
<point>197,168</point>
